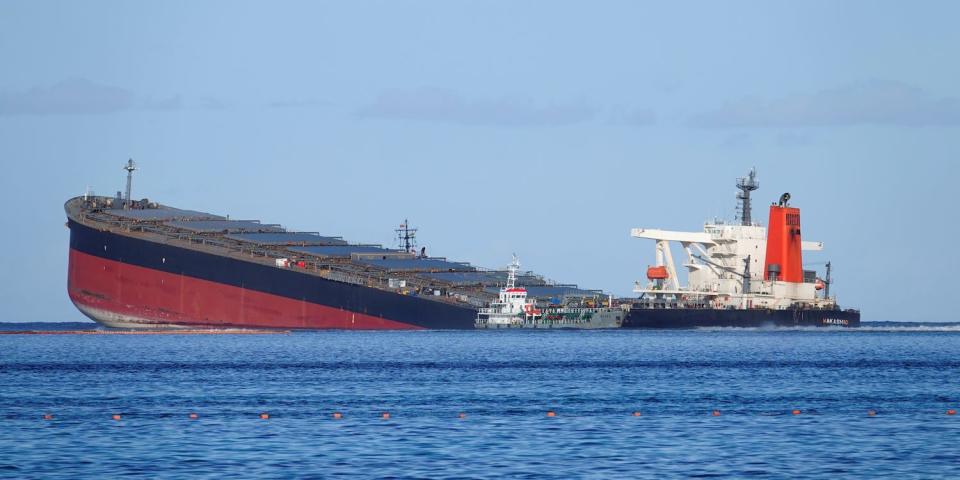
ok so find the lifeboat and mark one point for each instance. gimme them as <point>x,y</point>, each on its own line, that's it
<point>657,273</point>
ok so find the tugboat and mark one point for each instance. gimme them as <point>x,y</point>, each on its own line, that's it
<point>513,309</point>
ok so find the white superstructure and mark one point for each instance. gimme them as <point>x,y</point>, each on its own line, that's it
<point>725,266</point>
<point>512,307</point>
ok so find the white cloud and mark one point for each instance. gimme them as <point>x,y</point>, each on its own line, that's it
<point>446,106</point>
<point>869,103</point>
<point>77,96</point>
<point>300,103</point>
<point>73,96</point>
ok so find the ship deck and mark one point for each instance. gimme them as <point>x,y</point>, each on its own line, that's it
<point>310,253</point>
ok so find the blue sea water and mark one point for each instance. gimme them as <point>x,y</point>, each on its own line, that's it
<point>504,382</point>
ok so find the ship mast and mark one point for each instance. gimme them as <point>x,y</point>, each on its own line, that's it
<point>746,185</point>
<point>129,167</point>
<point>512,272</point>
<point>406,236</point>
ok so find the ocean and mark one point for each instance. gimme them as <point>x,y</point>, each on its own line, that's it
<point>723,403</point>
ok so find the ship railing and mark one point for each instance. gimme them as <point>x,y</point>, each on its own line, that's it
<point>203,239</point>
<point>346,272</point>
<point>275,252</point>
<point>345,278</point>
<point>193,238</point>
<point>474,301</point>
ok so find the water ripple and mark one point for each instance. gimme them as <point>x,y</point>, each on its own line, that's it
<point>505,382</point>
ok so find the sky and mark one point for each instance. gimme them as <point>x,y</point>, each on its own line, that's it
<point>544,128</point>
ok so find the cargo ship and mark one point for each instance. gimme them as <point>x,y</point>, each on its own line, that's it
<point>740,274</point>
<point>138,264</point>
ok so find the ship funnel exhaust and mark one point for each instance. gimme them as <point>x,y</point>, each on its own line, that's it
<point>783,260</point>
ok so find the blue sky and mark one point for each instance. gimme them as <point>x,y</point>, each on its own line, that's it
<point>543,128</point>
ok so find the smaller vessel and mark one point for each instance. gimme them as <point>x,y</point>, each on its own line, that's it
<point>513,309</point>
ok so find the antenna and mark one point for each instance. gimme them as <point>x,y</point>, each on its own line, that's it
<point>129,167</point>
<point>406,236</point>
<point>827,282</point>
<point>512,272</point>
<point>746,185</point>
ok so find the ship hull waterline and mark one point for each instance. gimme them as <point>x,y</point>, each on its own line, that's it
<point>126,282</point>
<point>664,318</point>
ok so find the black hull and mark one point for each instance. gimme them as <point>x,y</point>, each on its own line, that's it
<point>158,261</point>
<point>697,318</point>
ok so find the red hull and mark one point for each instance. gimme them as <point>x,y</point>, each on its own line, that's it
<point>127,295</point>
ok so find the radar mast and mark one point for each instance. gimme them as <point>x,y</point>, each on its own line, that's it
<point>407,237</point>
<point>129,167</point>
<point>746,185</point>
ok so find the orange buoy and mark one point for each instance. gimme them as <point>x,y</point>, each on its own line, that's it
<point>115,416</point>
<point>636,413</point>
<point>337,415</point>
<point>264,416</point>
<point>715,413</point>
<point>795,411</point>
<point>871,413</point>
<point>551,413</point>
<point>385,415</point>
<point>461,415</point>
<point>47,416</point>
<point>951,412</point>
<point>194,416</point>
